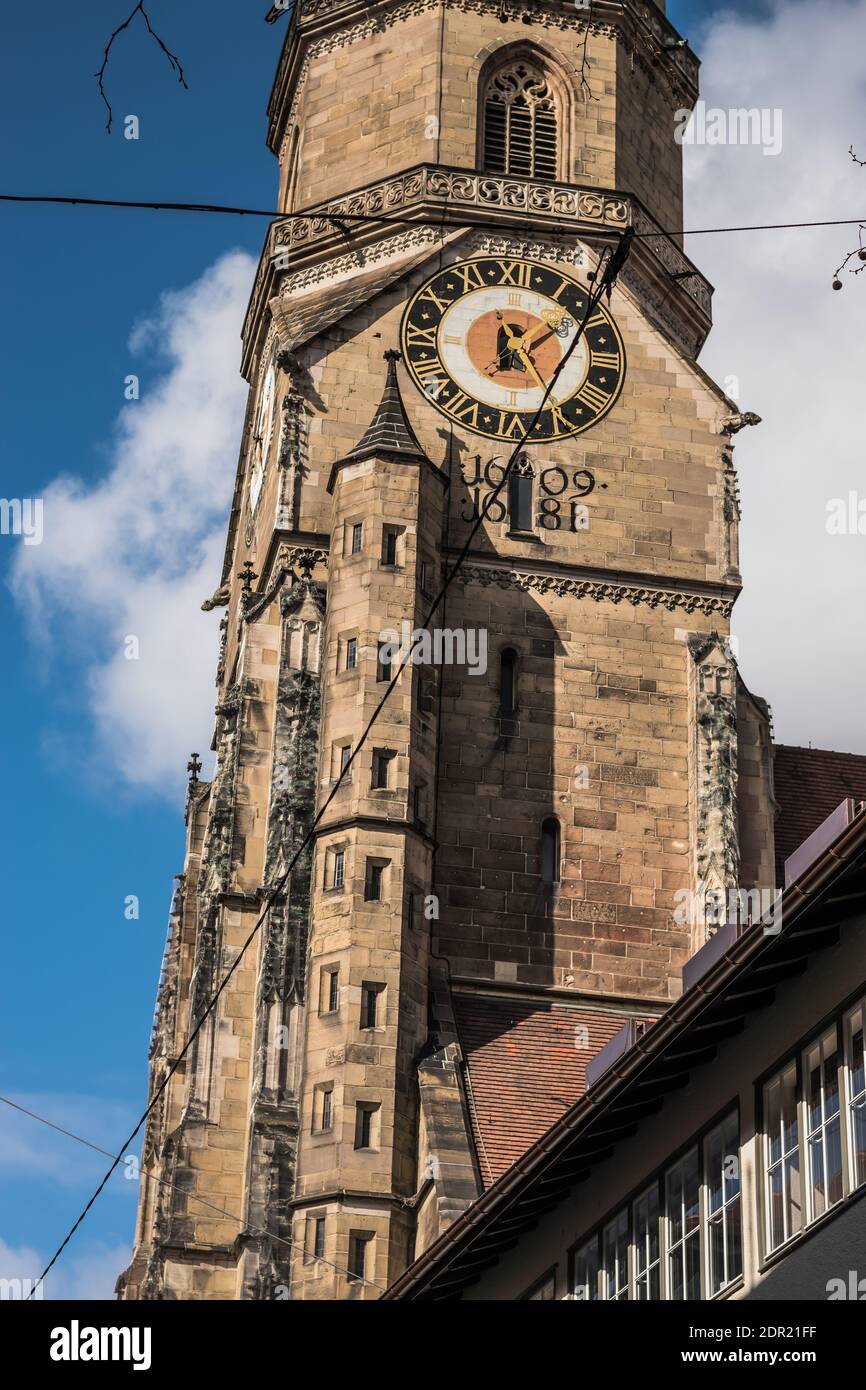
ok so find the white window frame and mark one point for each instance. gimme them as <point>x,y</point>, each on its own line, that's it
<point>722,1215</point>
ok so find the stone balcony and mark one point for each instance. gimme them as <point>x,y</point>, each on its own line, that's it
<point>666,282</point>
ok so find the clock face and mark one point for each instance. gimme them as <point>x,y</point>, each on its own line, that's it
<point>483,338</point>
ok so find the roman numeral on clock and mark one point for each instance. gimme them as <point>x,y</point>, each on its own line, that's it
<point>604,359</point>
<point>590,395</point>
<point>515,273</point>
<point>416,337</point>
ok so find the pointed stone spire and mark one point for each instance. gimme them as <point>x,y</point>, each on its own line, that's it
<point>389,430</point>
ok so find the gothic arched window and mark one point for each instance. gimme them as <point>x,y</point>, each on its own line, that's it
<point>520,123</point>
<point>550,851</point>
<point>520,495</point>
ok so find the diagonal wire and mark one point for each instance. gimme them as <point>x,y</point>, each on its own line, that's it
<point>164,1182</point>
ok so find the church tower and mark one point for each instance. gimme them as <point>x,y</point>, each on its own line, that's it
<point>496,881</point>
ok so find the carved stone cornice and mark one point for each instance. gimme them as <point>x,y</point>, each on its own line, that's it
<point>323,26</point>
<point>712,602</point>
<point>311,249</point>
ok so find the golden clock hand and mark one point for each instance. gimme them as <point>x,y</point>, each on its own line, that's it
<point>531,365</point>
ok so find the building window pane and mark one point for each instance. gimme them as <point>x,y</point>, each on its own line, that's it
<point>854,1034</point>
<point>782,1161</point>
<point>508,683</point>
<point>550,851</point>
<point>351,653</point>
<point>722,1179</point>
<point>357,537</point>
<point>384,664</point>
<point>823,1123</point>
<point>586,1272</point>
<point>519,502</point>
<point>373,881</point>
<point>358,1260</point>
<point>381,769</point>
<point>338,868</point>
<point>646,1245</point>
<point>318,1241</point>
<point>370,1005</point>
<point>682,1204</point>
<point>614,1244</point>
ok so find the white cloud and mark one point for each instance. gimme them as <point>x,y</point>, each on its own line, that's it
<point>135,554</point>
<point>89,1274</point>
<point>796,347</point>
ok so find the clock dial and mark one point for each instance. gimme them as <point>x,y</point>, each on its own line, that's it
<point>483,338</point>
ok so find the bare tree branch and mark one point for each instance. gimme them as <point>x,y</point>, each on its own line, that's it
<point>859,252</point>
<point>173,60</point>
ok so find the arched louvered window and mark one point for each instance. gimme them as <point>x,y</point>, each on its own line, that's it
<point>550,851</point>
<point>520,123</point>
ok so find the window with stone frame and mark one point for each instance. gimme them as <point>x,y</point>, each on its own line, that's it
<point>521,123</point>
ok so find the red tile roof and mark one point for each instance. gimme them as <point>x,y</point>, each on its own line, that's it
<point>527,1065</point>
<point>809,784</point>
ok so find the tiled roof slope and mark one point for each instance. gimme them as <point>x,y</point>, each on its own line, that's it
<point>527,1065</point>
<point>809,784</point>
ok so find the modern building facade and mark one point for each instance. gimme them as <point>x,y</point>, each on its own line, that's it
<point>498,872</point>
<point>722,1154</point>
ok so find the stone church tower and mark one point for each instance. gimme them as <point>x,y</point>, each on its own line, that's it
<point>491,890</point>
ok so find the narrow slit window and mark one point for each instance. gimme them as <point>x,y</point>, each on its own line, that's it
<point>508,683</point>
<point>520,498</point>
<point>550,850</point>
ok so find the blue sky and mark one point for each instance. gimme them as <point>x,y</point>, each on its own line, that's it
<point>86,824</point>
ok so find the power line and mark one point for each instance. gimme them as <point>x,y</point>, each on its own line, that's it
<point>609,266</point>
<point>362,218</point>
<point>164,1182</point>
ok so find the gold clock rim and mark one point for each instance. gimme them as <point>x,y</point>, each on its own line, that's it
<point>509,438</point>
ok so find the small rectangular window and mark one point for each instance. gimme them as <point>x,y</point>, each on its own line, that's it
<point>340,756</point>
<point>357,537</point>
<point>351,653</point>
<point>384,665</point>
<point>359,1243</point>
<point>381,768</point>
<point>370,1005</point>
<point>330,991</point>
<point>419,801</point>
<point>323,1108</point>
<point>390,538</point>
<point>336,875</point>
<point>424,577</point>
<point>374,880</point>
<point>366,1125</point>
<point>318,1237</point>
